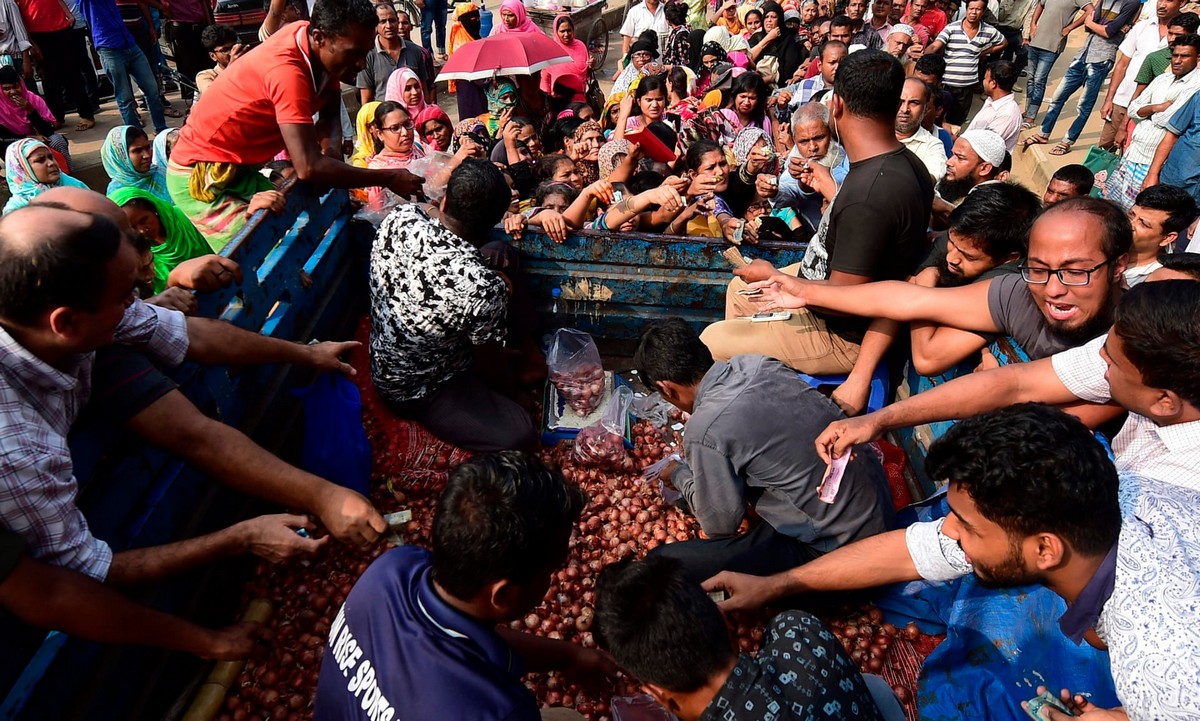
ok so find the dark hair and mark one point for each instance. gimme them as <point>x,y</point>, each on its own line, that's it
<point>1006,164</point>
<point>214,36</point>
<point>829,45</point>
<point>1118,233</point>
<point>1189,21</point>
<point>934,65</point>
<point>1004,74</point>
<point>696,152</point>
<point>133,133</point>
<point>670,350</point>
<point>839,21</point>
<point>477,194</point>
<point>754,83</point>
<point>561,129</point>
<point>870,82</point>
<point>756,11</point>
<point>502,516</point>
<point>646,42</point>
<point>276,169</point>
<point>1191,40</point>
<point>54,267</point>
<point>545,190</point>
<point>644,180</point>
<point>1187,263</point>
<point>141,204</point>
<point>9,75</point>
<point>563,19</point>
<point>1159,327</point>
<point>647,85</point>
<point>658,626</point>
<point>1171,199</point>
<point>381,111</point>
<point>334,17</point>
<point>546,166</point>
<point>675,12</point>
<point>1030,468</point>
<point>997,216</point>
<point>1079,177</point>
<point>677,80</point>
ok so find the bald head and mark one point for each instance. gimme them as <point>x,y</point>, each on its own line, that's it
<point>53,257</point>
<point>84,200</point>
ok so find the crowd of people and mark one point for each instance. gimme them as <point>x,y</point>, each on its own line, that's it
<point>1042,320</point>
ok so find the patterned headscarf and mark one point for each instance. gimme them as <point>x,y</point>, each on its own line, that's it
<point>161,156</point>
<point>745,142</point>
<point>495,93</point>
<point>22,182</point>
<point>431,112</point>
<point>608,156</point>
<point>114,155</point>
<point>714,49</point>
<point>589,171</point>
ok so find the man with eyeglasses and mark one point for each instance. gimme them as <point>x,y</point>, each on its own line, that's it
<point>221,44</point>
<point>1063,296</point>
<point>394,50</point>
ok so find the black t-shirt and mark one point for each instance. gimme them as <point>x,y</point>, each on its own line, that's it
<point>878,224</point>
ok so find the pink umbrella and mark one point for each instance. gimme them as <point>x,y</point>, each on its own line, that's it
<point>503,54</point>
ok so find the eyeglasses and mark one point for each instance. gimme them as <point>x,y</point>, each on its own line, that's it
<point>1066,276</point>
<point>397,128</point>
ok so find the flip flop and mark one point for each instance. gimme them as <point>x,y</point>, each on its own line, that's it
<point>1034,139</point>
<point>1062,148</point>
<point>84,124</point>
<point>1027,124</point>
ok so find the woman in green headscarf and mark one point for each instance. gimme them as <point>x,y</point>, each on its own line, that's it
<point>501,96</point>
<point>173,238</point>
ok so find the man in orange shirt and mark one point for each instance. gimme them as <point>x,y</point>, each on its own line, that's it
<point>265,104</point>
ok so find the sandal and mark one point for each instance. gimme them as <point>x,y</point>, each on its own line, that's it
<point>1027,124</point>
<point>1062,148</point>
<point>1034,139</point>
<point>172,112</point>
<point>84,124</point>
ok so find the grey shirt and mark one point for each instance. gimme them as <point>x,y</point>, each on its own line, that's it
<point>1016,314</point>
<point>1056,15</point>
<point>750,441</point>
<point>379,66</point>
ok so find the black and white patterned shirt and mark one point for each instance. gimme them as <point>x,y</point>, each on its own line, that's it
<point>801,672</point>
<point>432,298</point>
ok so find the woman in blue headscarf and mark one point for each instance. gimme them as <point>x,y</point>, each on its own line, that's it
<point>128,159</point>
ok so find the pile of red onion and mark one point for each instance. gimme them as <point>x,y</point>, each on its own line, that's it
<point>625,516</point>
<point>582,388</point>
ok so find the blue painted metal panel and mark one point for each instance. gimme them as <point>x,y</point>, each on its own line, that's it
<point>294,267</point>
<point>649,276</point>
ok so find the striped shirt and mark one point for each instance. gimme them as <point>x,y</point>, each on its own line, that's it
<point>962,53</point>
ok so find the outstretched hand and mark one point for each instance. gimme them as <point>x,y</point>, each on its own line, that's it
<point>327,356</point>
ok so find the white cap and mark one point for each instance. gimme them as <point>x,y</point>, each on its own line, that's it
<point>904,29</point>
<point>987,144</point>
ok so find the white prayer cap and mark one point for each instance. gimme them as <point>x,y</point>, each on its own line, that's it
<point>987,144</point>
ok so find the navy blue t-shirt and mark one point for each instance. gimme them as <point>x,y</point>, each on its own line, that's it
<point>398,652</point>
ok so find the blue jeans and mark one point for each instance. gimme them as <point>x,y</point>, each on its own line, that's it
<point>120,64</point>
<point>1089,76</point>
<point>1040,64</point>
<point>433,17</point>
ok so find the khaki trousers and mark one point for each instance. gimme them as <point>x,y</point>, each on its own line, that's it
<point>1109,133</point>
<point>802,342</point>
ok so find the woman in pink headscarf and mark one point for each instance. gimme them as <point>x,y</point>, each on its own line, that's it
<point>564,36</point>
<point>405,87</point>
<point>514,19</point>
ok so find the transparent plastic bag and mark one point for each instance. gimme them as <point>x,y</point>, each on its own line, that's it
<point>378,208</point>
<point>652,408</point>
<point>602,444</point>
<point>575,370</point>
<point>641,707</point>
<point>435,169</point>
